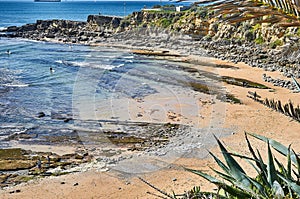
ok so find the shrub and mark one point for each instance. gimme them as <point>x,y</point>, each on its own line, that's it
<point>273,179</point>
<point>259,40</point>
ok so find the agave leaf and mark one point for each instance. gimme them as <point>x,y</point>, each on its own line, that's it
<point>297,163</point>
<point>259,187</point>
<point>205,176</point>
<point>224,176</point>
<point>260,164</point>
<point>250,147</point>
<point>235,192</point>
<point>271,167</point>
<point>289,163</point>
<point>276,145</point>
<point>263,170</point>
<point>291,184</point>
<point>220,163</point>
<point>283,173</point>
<point>282,170</point>
<point>242,156</point>
<point>235,169</point>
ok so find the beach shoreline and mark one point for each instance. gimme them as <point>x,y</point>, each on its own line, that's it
<point>249,116</point>
<point>238,118</point>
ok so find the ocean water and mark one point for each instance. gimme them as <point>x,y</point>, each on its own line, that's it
<point>82,77</point>
<point>19,13</point>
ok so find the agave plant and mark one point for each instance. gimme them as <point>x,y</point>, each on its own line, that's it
<point>273,179</point>
<point>285,13</point>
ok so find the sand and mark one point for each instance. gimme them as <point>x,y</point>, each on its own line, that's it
<point>249,116</point>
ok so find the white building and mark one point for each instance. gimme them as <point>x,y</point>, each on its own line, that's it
<point>182,8</point>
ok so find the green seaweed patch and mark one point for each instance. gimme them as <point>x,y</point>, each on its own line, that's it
<point>122,140</point>
<point>229,98</point>
<point>243,82</point>
<point>200,87</point>
<point>14,159</point>
<point>227,66</point>
<point>12,165</point>
<point>24,178</point>
<point>12,154</point>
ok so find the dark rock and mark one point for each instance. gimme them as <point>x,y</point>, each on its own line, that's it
<point>41,114</point>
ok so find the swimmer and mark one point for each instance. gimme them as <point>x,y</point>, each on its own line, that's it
<point>51,70</point>
<point>8,52</point>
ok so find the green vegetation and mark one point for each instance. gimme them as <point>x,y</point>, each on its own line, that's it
<point>259,40</point>
<point>276,43</point>
<point>285,13</point>
<point>256,27</point>
<point>273,178</point>
<point>164,22</point>
<point>243,82</point>
<point>14,159</point>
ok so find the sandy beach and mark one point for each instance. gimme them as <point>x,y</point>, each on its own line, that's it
<point>192,108</point>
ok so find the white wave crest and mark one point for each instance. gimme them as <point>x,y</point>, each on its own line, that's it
<point>89,64</point>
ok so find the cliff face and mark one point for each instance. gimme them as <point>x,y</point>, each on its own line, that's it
<point>197,22</point>
<point>201,23</point>
<point>183,22</point>
<point>103,23</point>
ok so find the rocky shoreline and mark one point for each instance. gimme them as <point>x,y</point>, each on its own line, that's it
<point>112,31</point>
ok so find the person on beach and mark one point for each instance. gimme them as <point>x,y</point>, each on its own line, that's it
<point>48,159</point>
<point>39,164</point>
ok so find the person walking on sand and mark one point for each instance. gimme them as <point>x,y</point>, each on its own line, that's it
<point>39,164</point>
<point>48,159</point>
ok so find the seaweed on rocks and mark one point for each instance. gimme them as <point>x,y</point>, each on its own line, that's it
<point>243,82</point>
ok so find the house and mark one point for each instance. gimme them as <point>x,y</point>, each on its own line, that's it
<point>182,8</point>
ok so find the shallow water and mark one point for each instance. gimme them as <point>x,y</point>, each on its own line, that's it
<point>82,76</point>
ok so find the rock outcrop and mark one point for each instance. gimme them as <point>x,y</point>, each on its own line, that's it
<point>66,30</point>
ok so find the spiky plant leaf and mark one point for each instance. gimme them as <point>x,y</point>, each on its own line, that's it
<point>297,164</point>
<point>206,176</point>
<point>282,172</point>
<point>220,163</point>
<point>281,168</point>
<point>264,173</point>
<point>262,192</point>
<point>276,145</point>
<point>234,167</point>
<point>224,176</point>
<point>289,163</point>
<point>291,184</point>
<point>271,167</point>
<point>229,189</point>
